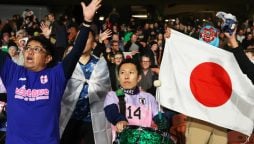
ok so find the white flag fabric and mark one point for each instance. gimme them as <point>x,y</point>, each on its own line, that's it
<point>205,82</point>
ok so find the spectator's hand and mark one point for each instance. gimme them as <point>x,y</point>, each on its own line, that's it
<point>121,125</point>
<point>181,129</point>
<point>232,42</point>
<point>89,11</point>
<point>46,30</point>
<point>143,44</point>
<point>179,124</point>
<point>156,70</point>
<point>104,35</point>
<point>134,52</point>
<point>108,50</point>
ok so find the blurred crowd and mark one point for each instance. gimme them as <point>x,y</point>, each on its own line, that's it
<point>136,37</point>
<point>141,41</point>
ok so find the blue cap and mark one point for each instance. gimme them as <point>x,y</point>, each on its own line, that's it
<point>209,34</point>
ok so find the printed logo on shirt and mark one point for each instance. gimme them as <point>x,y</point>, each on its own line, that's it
<point>22,79</point>
<point>31,94</point>
<point>142,101</point>
<point>44,79</point>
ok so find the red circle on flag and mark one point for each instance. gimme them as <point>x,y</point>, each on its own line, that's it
<point>210,84</point>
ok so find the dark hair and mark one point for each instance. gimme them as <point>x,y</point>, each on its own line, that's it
<point>145,55</point>
<point>74,25</point>
<point>207,23</point>
<point>131,61</point>
<point>152,43</point>
<point>12,43</point>
<point>46,44</point>
<point>52,14</point>
<point>251,50</point>
<point>113,41</point>
<point>119,52</point>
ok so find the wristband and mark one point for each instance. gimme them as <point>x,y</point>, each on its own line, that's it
<point>87,23</point>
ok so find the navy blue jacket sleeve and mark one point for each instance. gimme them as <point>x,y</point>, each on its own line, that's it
<point>70,61</point>
<point>113,115</point>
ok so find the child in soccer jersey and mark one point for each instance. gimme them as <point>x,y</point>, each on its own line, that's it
<point>132,107</point>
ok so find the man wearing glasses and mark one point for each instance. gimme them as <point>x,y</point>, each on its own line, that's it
<point>147,75</point>
<point>35,91</point>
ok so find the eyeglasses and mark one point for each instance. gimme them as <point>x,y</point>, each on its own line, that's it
<point>146,61</point>
<point>115,45</point>
<point>35,49</point>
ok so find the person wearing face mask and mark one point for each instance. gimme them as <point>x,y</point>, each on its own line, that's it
<point>34,91</point>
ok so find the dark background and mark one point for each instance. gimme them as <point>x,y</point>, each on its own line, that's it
<point>154,8</point>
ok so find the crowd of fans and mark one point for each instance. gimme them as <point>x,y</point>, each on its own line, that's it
<point>144,43</point>
<point>148,37</point>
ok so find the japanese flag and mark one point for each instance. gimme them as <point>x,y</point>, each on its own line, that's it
<point>206,83</point>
